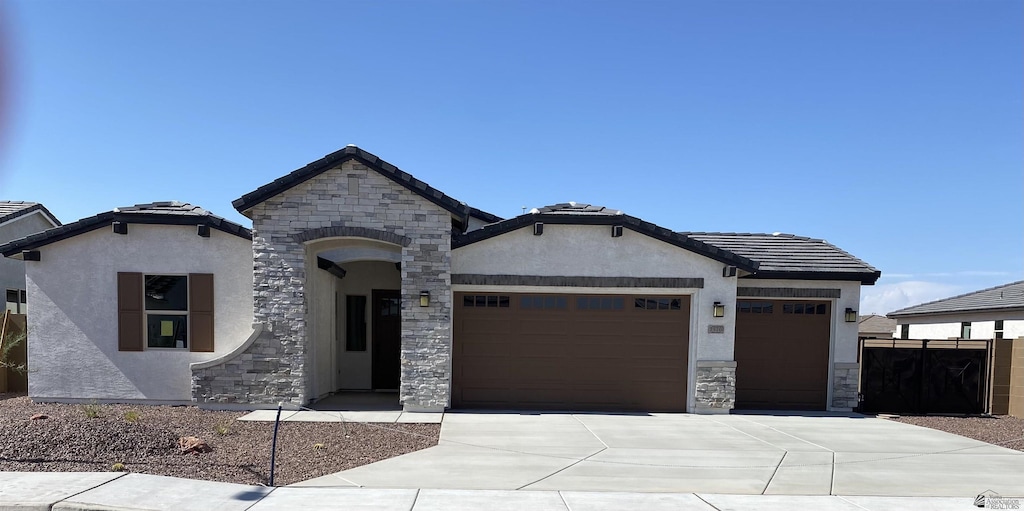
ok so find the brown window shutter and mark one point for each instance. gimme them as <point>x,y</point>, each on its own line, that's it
<point>200,297</point>
<point>129,312</point>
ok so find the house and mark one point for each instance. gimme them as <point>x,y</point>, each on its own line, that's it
<point>19,219</point>
<point>993,313</point>
<point>876,327</point>
<point>359,276</point>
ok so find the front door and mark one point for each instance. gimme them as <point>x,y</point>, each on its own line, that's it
<point>387,338</point>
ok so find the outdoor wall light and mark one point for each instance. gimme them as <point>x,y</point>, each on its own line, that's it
<point>851,315</point>
<point>616,231</point>
<point>719,310</point>
<point>538,228</point>
<point>424,298</point>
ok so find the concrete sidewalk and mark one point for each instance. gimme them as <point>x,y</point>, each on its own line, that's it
<point>31,491</point>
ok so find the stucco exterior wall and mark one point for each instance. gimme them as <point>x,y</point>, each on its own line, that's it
<point>72,293</point>
<point>590,251</point>
<point>349,199</point>
<point>12,271</point>
<point>944,326</point>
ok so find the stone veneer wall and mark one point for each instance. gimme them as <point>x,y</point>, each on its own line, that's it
<point>845,385</point>
<point>352,200</point>
<point>716,386</point>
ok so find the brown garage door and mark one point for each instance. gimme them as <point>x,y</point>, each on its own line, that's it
<point>570,352</point>
<point>782,354</point>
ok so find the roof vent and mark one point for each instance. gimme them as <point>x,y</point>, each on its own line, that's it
<point>776,233</point>
<point>572,203</point>
<point>351,145</point>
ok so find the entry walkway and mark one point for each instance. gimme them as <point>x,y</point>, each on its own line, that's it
<point>36,491</point>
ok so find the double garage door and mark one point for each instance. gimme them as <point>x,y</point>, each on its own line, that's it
<point>570,352</point>
<point>782,354</point>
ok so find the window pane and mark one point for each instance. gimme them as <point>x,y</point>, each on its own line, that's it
<point>744,306</point>
<point>167,292</point>
<point>767,308</point>
<point>503,301</point>
<point>618,303</point>
<point>561,302</point>
<point>492,301</point>
<point>467,301</point>
<point>999,324</point>
<point>481,301</point>
<point>167,330</point>
<point>606,303</point>
<point>675,304</point>
<point>820,309</point>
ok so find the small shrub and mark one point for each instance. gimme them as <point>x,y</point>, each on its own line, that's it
<point>132,416</point>
<point>222,428</point>
<point>118,467</point>
<point>91,410</point>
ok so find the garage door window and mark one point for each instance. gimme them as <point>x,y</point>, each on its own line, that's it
<point>493,301</point>
<point>661,304</point>
<point>595,303</point>
<point>755,307</point>
<point>804,308</point>
<point>544,302</point>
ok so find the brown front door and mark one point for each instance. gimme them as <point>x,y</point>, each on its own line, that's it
<point>782,354</point>
<point>570,352</point>
<point>387,338</point>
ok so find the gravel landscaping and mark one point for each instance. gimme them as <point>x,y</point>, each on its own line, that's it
<point>145,439</point>
<point>1004,430</point>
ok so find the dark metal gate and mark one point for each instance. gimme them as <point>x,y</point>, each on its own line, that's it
<point>924,376</point>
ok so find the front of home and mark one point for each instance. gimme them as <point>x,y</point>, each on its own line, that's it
<point>358,276</point>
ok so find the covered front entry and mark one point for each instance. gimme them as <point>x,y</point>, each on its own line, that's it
<point>782,354</point>
<point>570,352</point>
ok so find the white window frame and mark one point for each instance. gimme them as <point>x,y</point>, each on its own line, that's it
<point>163,312</point>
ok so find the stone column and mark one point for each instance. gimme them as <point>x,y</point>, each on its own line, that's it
<point>845,385</point>
<point>716,386</point>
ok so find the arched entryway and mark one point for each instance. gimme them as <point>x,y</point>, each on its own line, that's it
<point>354,315</point>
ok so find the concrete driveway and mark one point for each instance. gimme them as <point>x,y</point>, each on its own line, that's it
<point>814,454</point>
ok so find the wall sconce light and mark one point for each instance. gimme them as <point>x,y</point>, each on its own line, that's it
<point>120,227</point>
<point>616,231</point>
<point>538,228</point>
<point>719,310</point>
<point>851,315</point>
<point>729,271</point>
<point>424,298</point>
<point>203,231</point>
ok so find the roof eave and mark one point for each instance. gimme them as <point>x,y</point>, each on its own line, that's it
<point>634,224</point>
<point>865,278</point>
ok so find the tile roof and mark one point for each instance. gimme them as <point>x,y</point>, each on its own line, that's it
<point>789,256</point>
<point>875,324</point>
<point>1006,296</point>
<point>351,152</point>
<point>11,209</point>
<point>167,213</point>
<point>483,215</point>
<point>585,214</point>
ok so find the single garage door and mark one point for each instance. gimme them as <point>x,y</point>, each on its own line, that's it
<point>782,354</point>
<point>570,352</point>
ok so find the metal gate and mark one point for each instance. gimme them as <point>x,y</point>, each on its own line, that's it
<point>924,376</point>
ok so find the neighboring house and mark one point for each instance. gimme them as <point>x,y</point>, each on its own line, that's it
<point>876,327</point>
<point>17,220</point>
<point>994,313</point>
<point>361,277</point>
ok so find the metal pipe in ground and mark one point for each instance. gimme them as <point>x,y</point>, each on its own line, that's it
<point>273,443</point>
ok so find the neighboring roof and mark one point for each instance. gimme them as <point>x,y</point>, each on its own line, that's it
<point>786,256</point>
<point>585,214</point>
<point>483,215</point>
<point>351,152</point>
<point>10,209</point>
<point>1006,296</point>
<point>873,323</point>
<point>168,213</point>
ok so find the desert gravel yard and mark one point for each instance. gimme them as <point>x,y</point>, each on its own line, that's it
<point>1003,430</point>
<point>145,439</point>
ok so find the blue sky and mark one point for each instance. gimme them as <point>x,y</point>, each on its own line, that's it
<point>893,129</point>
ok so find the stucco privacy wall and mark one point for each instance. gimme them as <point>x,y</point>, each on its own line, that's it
<point>590,251</point>
<point>844,371</point>
<point>351,200</point>
<point>73,298</point>
<point>12,271</point>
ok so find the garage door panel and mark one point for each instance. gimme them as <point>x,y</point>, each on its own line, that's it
<point>613,359</point>
<point>782,357</point>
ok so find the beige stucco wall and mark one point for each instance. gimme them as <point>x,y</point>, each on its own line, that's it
<point>72,293</point>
